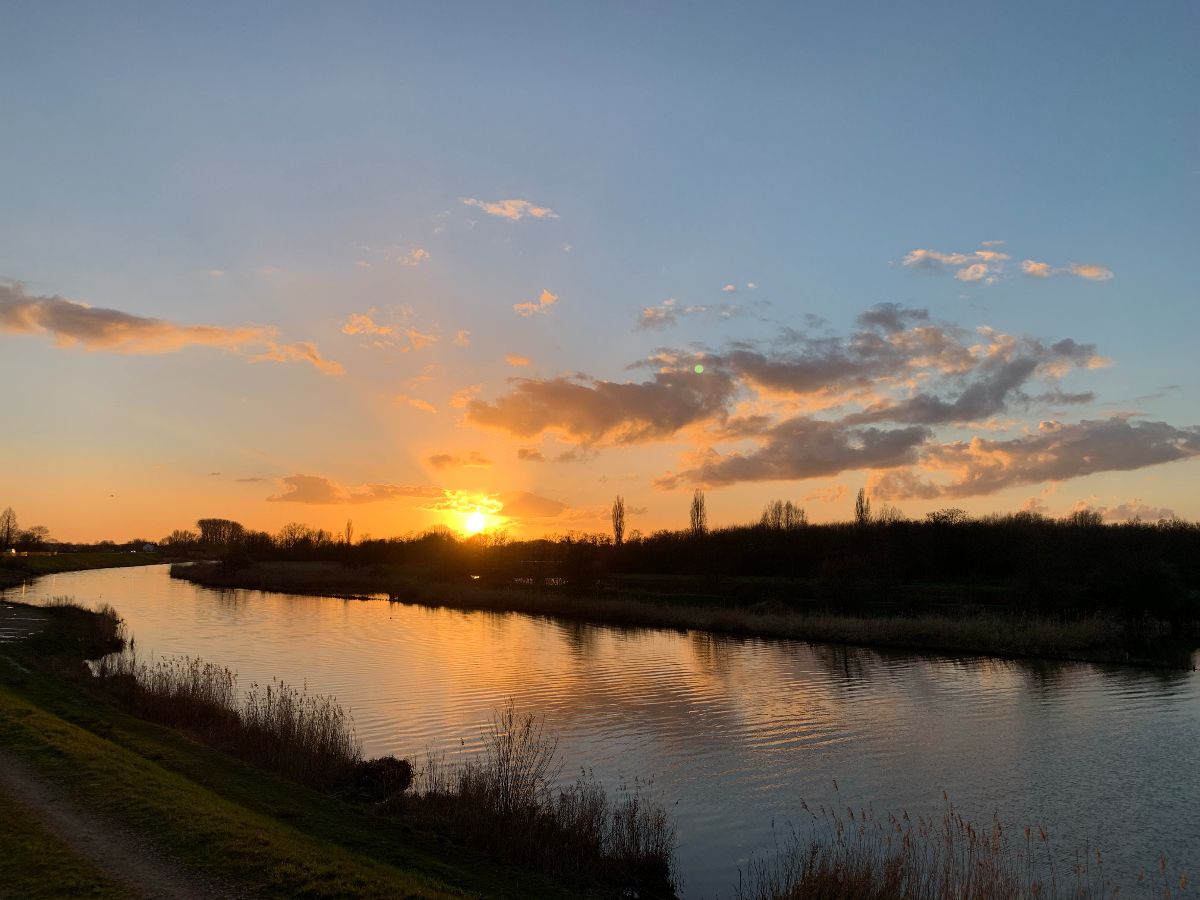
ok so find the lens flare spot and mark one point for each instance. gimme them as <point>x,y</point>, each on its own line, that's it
<point>699,369</point>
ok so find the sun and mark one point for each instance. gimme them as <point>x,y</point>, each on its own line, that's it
<point>475,523</point>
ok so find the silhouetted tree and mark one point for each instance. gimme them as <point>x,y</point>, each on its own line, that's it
<point>220,532</point>
<point>618,521</point>
<point>699,513</point>
<point>862,508</point>
<point>33,538</point>
<point>8,528</point>
<point>950,515</point>
<point>783,516</point>
<point>349,534</point>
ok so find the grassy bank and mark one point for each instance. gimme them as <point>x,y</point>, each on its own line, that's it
<point>983,631</point>
<point>15,570</point>
<point>220,817</point>
<point>299,813</point>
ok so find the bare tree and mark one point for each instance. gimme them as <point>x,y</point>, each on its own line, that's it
<point>618,520</point>
<point>862,508</point>
<point>8,528</point>
<point>783,516</point>
<point>699,513</point>
<point>349,534</point>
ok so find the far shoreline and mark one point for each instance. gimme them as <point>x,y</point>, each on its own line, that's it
<point>1095,639</point>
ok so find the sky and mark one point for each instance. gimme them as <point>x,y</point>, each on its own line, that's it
<point>402,263</point>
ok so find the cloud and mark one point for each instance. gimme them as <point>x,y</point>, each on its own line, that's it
<point>254,479</point>
<point>524,505</point>
<point>462,338</point>
<point>96,329</point>
<point>1056,452</point>
<point>542,305</point>
<point>362,323</point>
<point>976,266</point>
<point>417,340</point>
<point>666,313</point>
<point>1133,511</point>
<point>987,266</point>
<point>514,360</point>
<point>416,403</point>
<point>511,209</point>
<point>460,398</point>
<point>595,410</point>
<point>414,257</point>
<point>804,448</point>
<point>530,454</point>
<point>473,460</point>
<point>301,351</point>
<point>730,289</point>
<point>831,494</point>
<point>878,398</point>
<point>216,273</point>
<point>315,490</point>
<point>1090,271</point>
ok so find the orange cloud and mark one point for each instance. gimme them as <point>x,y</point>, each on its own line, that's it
<point>473,460</point>
<point>315,490</point>
<point>416,403</point>
<point>514,360</point>
<point>511,209</point>
<point>542,305</point>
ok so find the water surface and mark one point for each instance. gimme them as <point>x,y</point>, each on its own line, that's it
<point>734,732</point>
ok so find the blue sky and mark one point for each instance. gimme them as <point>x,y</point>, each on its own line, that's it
<point>276,165</point>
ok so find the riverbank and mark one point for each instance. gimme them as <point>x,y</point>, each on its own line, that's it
<point>15,570</point>
<point>1092,639</point>
<point>200,815</point>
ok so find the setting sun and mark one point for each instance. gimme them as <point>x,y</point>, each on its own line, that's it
<point>475,523</point>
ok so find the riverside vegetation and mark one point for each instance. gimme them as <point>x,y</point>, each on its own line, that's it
<point>1019,585</point>
<point>568,841</point>
<point>469,827</point>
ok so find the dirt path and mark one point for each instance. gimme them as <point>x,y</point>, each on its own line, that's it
<point>110,848</point>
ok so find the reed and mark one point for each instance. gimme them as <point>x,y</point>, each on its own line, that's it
<point>505,801</point>
<point>308,738</point>
<point>859,855</point>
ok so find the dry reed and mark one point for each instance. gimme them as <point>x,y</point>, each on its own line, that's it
<point>287,730</point>
<point>504,801</point>
<point>859,855</point>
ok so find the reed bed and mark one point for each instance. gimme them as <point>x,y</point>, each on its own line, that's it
<point>1095,638</point>
<point>505,801</point>
<point>308,738</point>
<point>863,856</point>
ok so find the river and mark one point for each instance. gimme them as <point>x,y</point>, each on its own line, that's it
<point>734,732</point>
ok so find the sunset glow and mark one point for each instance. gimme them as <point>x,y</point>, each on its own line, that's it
<point>399,323</point>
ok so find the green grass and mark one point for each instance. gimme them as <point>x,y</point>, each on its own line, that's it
<point>34,864</point>
<point>16,569</point>
<point>227,820</point>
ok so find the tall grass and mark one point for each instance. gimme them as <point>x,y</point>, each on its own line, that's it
<point>506,801</point>
<point>862,856</point>
<point>308,738</point>
<point>77,632</point>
